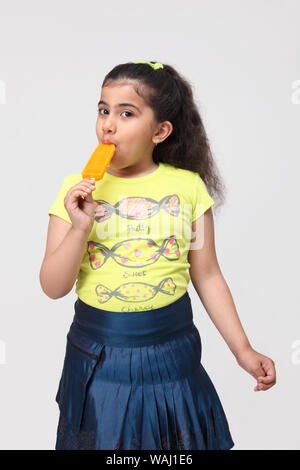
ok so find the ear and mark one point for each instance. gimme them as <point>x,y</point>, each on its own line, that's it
<point>164,129</point>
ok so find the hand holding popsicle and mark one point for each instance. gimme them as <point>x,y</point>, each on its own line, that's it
<point>81,212</point>
<point>98,162</point>
<point>78,201</point>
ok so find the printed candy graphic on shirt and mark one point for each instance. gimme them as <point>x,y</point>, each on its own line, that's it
<point>137,208</point>
<point>135,291</point>
<point>133,253</point>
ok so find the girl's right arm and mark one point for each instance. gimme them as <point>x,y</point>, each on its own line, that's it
<point>66,243</point>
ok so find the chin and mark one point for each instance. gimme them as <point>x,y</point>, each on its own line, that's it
<point>118,165</point>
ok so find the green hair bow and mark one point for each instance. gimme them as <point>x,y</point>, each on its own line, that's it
<point>155,66</point>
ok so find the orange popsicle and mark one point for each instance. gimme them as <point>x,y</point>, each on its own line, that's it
<point>99,161</point>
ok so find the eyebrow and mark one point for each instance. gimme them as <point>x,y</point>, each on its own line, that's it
<point>120,105</point>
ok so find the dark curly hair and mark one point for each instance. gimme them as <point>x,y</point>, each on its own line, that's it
<point>170,96</point>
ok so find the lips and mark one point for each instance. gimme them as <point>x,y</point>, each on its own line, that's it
<point>108,142</point>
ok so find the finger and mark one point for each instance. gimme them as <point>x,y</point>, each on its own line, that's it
<point>87,184</point>
<point>267,363</point>
<point>258,388</point>
<point>266,380</point>
<point>88,190</point>
<point>89,180</point>
<point>78,193</point>
<point>87,195</point>
<point>84,195</point>
<point>258,372</point>
<point>269,368</point>
<point>263,387</point>
<point>83,184</point>
<point>266,387</point>
<point>264,383</point>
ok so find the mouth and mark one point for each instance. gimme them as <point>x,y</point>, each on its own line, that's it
<point>108,142</point>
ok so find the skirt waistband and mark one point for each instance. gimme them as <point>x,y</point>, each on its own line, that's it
<point>135,328</point>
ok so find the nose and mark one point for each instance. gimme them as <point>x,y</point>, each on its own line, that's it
<point>108,125</point>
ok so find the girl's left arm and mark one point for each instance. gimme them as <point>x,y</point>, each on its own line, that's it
<point>216,298</point>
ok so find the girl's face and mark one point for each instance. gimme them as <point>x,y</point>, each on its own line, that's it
<point>124,119</point>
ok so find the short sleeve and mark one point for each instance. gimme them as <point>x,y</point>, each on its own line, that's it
<point>58,206</point>
<point>201,198</point>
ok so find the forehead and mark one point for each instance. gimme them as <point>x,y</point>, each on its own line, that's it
<point>121,92</point>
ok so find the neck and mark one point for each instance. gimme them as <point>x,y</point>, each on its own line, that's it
<point>132,171</point>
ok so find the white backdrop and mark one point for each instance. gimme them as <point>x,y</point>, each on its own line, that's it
<point>243,61</point>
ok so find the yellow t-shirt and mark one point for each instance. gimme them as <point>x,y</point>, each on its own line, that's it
<point>136,253</point>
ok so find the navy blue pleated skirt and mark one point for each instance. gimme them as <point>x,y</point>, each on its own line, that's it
<point>135,381</point>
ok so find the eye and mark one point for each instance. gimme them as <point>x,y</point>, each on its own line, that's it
<point>128,113</point>
<point>103,109</point>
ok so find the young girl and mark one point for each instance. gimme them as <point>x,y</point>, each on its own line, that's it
<point>132,376</point>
